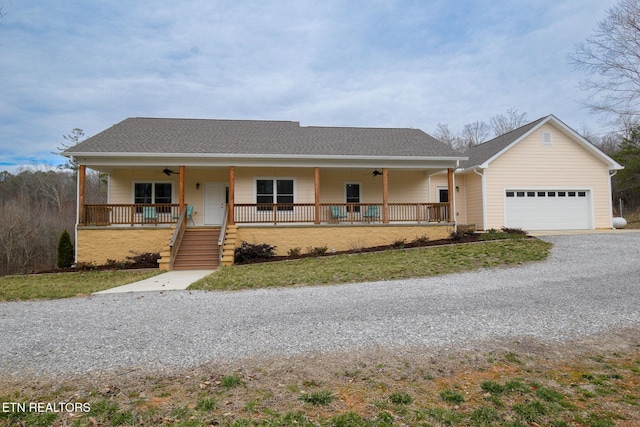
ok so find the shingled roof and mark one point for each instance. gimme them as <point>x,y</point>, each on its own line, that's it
<point>485,152</point>
<point>185,137</point>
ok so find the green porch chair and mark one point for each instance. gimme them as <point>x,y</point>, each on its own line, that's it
<point>189,215</point>
<point>336,213</point>
<point>150,214</point>
<point>371,214</point>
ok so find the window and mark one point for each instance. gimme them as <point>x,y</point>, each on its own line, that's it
<point>582,194</point>
<point>510,194</point>
<point>572,194</point>
<point>531,194</point>
<point>352,195</point>
<point>519,193</point>
<point>551,194</point>
<point>542,193</point>
<point>270,191</point>
<point>153,192</point>
<point>443,195</point>
<point>562,193</point>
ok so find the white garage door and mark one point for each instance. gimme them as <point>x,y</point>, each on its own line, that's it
<point>548,209</point>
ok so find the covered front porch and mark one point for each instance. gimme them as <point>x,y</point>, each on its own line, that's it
<point>240,195</point>
<point>288,207</point>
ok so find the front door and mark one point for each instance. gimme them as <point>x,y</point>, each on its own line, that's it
<point>214,202</point>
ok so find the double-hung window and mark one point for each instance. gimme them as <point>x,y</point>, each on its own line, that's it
<point>153,193</point>
<point>270,191</point>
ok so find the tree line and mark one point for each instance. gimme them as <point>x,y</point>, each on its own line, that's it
<point>38,205</point>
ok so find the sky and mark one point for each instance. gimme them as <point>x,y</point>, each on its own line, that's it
<point>378,63</point>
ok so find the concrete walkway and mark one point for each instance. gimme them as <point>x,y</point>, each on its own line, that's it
<point>169,281</point>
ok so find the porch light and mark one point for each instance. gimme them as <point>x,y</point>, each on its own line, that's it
<point>197,185</point>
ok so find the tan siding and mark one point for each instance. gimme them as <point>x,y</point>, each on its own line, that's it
<point>404,186</point>
<point>563,165</point>
<point>473,199</point>
<point>121,185</point>
<point>407,186</point>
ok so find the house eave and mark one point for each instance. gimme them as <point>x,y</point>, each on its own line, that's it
<point>283,160</point>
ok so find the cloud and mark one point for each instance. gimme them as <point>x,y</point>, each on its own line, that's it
<point>335,63</point>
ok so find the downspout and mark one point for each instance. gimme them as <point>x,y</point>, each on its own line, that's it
<point>75,235</point>
<point>611,175</point>
<point>454,196</point>
<point>484,199</point>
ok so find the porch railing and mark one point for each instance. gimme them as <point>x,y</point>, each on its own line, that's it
<point>277,213</point>
<point>130,214</point>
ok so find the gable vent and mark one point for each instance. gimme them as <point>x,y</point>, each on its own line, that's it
<point>546,138</point>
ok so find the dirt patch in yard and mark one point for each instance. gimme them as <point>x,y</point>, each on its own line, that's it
<point>593,380</point>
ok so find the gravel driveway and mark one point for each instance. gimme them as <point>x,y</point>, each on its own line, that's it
<point>589,284</point>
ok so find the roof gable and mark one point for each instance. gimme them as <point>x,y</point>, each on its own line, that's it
<point>483,154</point>
<point>256,137</point>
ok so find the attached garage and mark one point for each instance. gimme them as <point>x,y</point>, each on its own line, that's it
<point>556,209</point>
<point>541,176</point>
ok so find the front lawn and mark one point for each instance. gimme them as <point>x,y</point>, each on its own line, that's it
<point>65,285</point>
<point>388,265</point>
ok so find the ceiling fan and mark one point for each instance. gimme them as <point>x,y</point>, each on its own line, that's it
<point>169,172</point>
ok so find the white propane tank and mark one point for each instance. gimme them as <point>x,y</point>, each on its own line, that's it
<point>619,222</point>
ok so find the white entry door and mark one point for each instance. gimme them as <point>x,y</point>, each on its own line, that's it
<point>214,202</point>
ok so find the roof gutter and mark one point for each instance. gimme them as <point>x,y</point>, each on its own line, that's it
<point>262,156</point>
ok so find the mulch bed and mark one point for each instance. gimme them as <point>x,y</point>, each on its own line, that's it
<point>467,238</point>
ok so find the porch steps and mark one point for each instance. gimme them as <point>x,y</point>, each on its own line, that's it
<point>199,250</point>
<point>229,245</point>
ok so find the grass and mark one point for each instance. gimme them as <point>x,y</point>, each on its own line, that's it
<point>388,265</point>
<point>376,388</point>
<point>66,285</point>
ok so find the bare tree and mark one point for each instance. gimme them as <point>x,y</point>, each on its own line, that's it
<point>444,134</point>
<point>611,58</point>
<point>474,133</point>
<point>503,123</point>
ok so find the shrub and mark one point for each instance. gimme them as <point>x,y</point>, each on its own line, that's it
<point>515,231</point>
<point>143,259</point>
<point>420,240</point>
<point>457,235</point>
<point>248,252</point>
<point>317,251</point>
<point>399,243</point>
<point>294,252</point>
<point>504,233</point>
<point>65,251</point>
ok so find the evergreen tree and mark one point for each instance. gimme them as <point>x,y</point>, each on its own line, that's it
<point>65,251</point>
